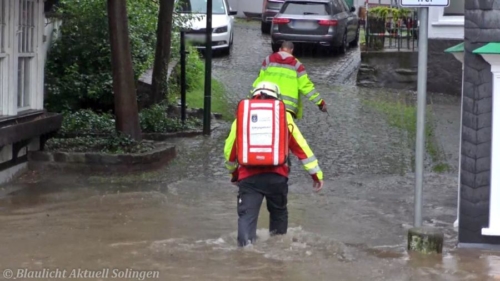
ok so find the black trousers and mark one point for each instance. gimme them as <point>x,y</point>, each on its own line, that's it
<point>252,191</point>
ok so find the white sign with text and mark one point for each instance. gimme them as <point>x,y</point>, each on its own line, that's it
<point>425,3</point>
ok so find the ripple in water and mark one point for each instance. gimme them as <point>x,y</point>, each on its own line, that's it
<point>296,245</point>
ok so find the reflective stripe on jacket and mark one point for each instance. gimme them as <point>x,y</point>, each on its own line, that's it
<point>290,75</point>
<point>298,146</point>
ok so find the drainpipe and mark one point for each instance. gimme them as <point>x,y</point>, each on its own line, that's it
<point>455,224</point>
<point>458,52</point>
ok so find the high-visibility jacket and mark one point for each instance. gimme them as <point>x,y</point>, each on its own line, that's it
<point>297,145</point>
<point>290,75</point>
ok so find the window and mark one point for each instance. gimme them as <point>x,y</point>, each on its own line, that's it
<point>337,7</point>
<point>3,26</point>
<point>20,37</point>
<point>3,52</point>
<point>200,7</point>
<point>456,8</point>
<point>272,5</point>
<point>345,6</point>
<point>26,51</point>
<point>305,8</point>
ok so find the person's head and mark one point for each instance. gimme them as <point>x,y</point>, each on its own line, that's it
<point>287,47</point>
<point>266,90</point>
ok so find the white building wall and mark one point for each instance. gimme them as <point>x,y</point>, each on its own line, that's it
<point>445,27</point>
<point>42,38</point>
<point>242,6</point>
<point>358,3</point>
<point>447,22</point>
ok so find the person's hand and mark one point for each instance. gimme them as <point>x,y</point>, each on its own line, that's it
<point>322,106</point>
<point>318,185</point>
<point>234,180</point>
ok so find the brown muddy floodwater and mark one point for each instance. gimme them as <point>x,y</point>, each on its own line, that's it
<point>186,231</point>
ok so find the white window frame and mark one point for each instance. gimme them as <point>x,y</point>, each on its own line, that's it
<point>9,90</point>
<point>448,20</point>
<point>4,61</point>
<point>445,27</point>
<point>31,55</point>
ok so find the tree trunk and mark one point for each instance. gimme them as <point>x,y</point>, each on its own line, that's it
<point>162,55</point>
<point>127,115</point>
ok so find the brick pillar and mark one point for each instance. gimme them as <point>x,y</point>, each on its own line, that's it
<point>482,26</point>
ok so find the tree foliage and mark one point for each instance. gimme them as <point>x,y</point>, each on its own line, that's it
<point>78,69</point>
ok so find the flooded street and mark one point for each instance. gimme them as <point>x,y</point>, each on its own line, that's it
<point>181,220</point>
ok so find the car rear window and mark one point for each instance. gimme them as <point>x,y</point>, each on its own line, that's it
<point>274,5</point>
<point>306,8</point>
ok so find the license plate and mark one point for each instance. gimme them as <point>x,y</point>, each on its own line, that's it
<point>303,24</point>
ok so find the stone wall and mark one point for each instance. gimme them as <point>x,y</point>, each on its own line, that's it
<point>399,70</point>
<point>482,25</point>
<point>102,162</point>
<point>387,69</point>
<point>444,71</point>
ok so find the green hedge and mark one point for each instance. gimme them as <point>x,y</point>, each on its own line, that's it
<point>152,120</point>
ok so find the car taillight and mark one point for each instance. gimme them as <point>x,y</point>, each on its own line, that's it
<point>328,22</point>
<point>280,20</point>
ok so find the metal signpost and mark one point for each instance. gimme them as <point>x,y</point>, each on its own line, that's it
<point>183,77</point>
<point>425,4</point>
<point>422,94</point>
<point>208,71</point>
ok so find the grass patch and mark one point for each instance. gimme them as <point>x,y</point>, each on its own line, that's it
<point>195,86</point>
<point>195,98</point>
<point>247,20</point>
<point>441,168</point>
<point>362,39</point>
<point>404,117</point>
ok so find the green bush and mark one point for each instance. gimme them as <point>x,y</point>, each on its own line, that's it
<point>155,120</point>
<point>113,143</point>
<point>87,122</point>
<point>195,71</point>
<point>152,120</point>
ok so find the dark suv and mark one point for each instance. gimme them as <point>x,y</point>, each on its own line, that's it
<point>328,23</point>
<point>269,9</point>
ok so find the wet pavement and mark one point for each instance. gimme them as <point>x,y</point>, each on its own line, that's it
<point>181,219</point>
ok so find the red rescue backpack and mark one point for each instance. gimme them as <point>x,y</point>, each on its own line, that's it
<point>262,132</point>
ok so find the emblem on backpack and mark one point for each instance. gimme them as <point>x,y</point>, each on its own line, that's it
<point>262,136</point>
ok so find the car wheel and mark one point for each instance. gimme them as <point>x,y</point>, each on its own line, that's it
<point>343,46</point>
<point>355,42</point>
<point>227,51</point>
<point>275,47</point>
<point>265,27</point>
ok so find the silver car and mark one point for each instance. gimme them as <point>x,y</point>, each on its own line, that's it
<point>328,23</point>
